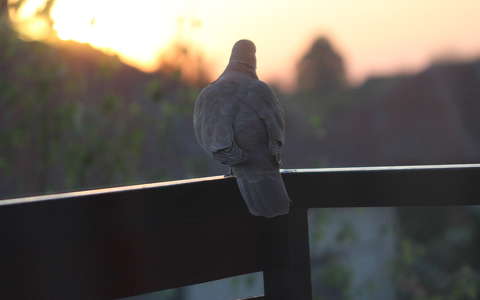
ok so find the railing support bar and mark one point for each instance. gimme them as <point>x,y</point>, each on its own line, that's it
<point>286,273</point>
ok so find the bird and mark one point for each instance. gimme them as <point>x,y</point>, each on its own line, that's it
<point>239,122</point>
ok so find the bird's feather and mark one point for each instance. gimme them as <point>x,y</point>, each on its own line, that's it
<point>263,101</point>
<point>214,114</point>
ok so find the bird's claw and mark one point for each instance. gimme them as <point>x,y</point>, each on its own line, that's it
<point>230,173</point>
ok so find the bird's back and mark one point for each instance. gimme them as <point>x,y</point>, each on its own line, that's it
<point>215,113</point>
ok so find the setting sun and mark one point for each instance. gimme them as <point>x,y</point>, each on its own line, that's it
<point>135,31</point>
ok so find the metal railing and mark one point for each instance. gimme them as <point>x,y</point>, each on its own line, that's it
<point>124,241</point>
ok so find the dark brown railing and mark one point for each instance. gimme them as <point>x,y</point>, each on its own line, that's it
<point>118,242</point>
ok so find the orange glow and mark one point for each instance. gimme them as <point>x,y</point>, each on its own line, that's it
<point>136,31</point>
<point>374,36</point>
<point>32,26</point>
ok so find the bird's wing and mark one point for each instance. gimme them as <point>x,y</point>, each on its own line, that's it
<point>214,114</point>
<point>264,102</point>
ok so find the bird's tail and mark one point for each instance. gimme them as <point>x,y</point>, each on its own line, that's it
<point>264,193</point>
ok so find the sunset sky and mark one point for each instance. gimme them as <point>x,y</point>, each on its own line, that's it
<point>374,36</point>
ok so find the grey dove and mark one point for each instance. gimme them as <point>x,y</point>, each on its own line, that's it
<point>239,122</point>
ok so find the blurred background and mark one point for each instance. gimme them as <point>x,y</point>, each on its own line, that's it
<point>101,93</point>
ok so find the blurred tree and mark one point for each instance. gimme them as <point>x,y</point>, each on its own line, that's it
<point>321,70</point>
<point>72,118</point>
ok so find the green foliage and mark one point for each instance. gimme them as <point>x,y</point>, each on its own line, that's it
<point>465,284</point>
<point>334,279</point>
<point>336,276</point>
<point>346,234</point>
<point>437,259</point>
<point>111,103</point>
<point>319,220</point>
<point>154,89</point>
<point>410,253</point>
<point>73,118</point>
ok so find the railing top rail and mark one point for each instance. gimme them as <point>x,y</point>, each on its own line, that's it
<point>164,184</point>
<point>382,168</point>
<point>107,190</point>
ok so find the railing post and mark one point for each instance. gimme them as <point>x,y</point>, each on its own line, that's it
<point>286,272</point>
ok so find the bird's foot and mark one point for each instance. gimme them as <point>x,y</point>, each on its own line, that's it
<point>230,173</point>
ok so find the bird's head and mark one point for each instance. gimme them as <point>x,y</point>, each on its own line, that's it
<point>243,53</point>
